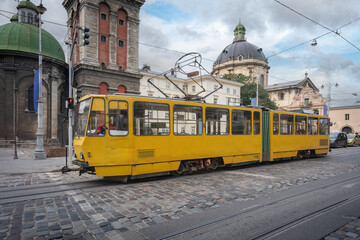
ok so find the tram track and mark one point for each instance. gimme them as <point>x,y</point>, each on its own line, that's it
<point>24,193</point>
<point>202,226</point>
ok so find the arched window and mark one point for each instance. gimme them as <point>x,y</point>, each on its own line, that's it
<point>30,99</point>
<point>262,80</point>
<point>30,18</point>
<point>104,31</point>
<point>103,88</point>
<point>121,89</point>
<point>22,16</point>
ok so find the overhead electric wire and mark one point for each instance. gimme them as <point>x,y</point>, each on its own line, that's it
<point>333,31</point>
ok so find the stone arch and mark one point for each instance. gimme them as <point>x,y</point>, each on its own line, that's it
<point>347,129</point>
<point>121,89</point>
<point>122,39</point>
<point>103,88</point>
<point>104,31</point>
<point>27,120</point>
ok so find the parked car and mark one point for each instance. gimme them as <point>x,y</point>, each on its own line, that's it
<point>353,140</point>
<point>338,139</point>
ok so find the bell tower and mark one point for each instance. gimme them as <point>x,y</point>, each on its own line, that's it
<point>109,63</point>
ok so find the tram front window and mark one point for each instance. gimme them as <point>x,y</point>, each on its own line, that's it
<point>81,115</point>
<point>96,123</point>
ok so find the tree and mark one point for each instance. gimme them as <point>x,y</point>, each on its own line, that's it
<point>248,91</point>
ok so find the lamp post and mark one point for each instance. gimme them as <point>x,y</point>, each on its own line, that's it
<point>39,150</point>
<point>329,95</point>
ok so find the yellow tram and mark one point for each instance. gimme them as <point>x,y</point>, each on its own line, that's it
<point>126,135</point>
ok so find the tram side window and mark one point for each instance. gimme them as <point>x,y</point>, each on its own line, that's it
<point>187,120</point>
<point>118,118</point>
<point>151,119</point>
<point>286,124</point>
<point>324,126</point>
<point>276,124</point>
<point>256,123</point>
<point>96,124</point>
<point>217,121</point>
<point>313,126</point>
<point>300,125</point>
<point>241,122</point>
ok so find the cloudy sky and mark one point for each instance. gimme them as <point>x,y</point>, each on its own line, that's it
<point>171,27</point>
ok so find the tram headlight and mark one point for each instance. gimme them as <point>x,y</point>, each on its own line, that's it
<point>81,155</point>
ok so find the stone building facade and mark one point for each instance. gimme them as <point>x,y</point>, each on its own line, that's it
<point>228,95</point>
<point>19,47</point>
<point>297,95</point>
<point>242,58</point>
<point>345,115</point>
<point>109,63</point>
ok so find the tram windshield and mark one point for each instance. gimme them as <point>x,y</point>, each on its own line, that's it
<point>81,116</point>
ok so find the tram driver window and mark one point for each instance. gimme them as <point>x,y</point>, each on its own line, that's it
<point>151,119</point>
<point>276,124</point>
<point>118,118</point>
<point>241,122</point>
<point>324,126</point>
<point>313,126</point>
<point>300,125</point>
<point>217,121</point>
<point>96,123</point>
<point>187,120</point>
<point>256,123</point>
<point>286,124</point>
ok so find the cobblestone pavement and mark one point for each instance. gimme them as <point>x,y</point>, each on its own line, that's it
<point>107,213</point>
<point>348,232</point>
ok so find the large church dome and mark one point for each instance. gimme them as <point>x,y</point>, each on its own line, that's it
<point>24,37</point>
<point>240,49</point>
<point>242,58</point>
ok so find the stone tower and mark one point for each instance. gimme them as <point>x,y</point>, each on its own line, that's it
<point>109,63</point>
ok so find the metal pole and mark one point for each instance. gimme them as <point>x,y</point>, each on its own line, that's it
<point>70,130</point>
<point>39,150</point>
<point>257,86</point>
<point>329,95</point>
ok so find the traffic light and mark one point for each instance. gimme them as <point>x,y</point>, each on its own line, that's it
<point>86,36</point>
<point>69,103</point>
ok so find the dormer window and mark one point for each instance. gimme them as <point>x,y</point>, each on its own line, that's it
<point>22,16</point>
<point>30,18</point>
<point>103,16</point>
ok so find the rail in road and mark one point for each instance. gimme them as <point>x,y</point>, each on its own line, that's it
<point>23,193</point>
<point>203,230</point>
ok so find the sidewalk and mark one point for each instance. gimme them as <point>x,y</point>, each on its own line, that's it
<point>27,162</point>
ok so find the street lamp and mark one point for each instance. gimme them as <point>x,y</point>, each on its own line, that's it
<point>329,95</point>
<point>39,150</point>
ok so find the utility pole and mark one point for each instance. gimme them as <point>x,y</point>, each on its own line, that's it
<point>39,150</point>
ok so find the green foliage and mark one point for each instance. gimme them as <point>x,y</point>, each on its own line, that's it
<point>248,91</point>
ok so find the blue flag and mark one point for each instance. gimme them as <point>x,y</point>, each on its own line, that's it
<point>253,101</point>
<point>325,111</point>
<point>36,90</point>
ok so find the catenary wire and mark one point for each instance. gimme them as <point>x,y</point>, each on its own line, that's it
<point>333,31</point>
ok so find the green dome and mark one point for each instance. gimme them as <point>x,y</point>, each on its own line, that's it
<point>24,37</point>
<point>27,4</point>
<point>14,18</point>
<point>240,27</point>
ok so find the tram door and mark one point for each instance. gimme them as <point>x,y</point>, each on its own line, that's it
<point>266,136</point>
